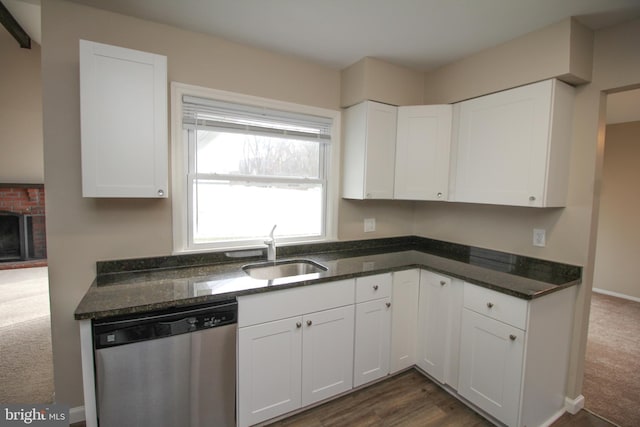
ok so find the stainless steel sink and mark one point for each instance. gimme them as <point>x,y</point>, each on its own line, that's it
<point>286,268</point>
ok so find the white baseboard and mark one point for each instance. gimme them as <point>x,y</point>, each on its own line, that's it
<point>554,418</point>
<point>615,294</point>
<point>76,414</point>
<point>573,406</point>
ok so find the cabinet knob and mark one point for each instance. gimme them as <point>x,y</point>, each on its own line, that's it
<point>512,337</point>
<point>442,283</point>
<point>309,323</point>
<point>490,305</point>
<point>388,304</point>
<point>375,287</point>
<point>298,324</point>
<point>439,195</point>
<point>532,198</point>
<point>160,193</point>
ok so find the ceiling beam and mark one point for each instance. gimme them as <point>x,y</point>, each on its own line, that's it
<point>14,28</point>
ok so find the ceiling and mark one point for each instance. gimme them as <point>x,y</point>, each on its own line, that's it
<point>420,34</point>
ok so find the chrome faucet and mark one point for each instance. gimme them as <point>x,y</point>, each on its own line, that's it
<point>271,245</point>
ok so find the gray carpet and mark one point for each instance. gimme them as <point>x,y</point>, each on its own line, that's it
<point>26,369</point>
<point>612,364</point>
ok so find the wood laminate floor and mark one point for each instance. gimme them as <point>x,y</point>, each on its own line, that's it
<point>408,399</point>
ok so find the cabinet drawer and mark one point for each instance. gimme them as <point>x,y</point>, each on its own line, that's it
<point>373,287</point>
<point>496,305</point>
<point>269,306</point>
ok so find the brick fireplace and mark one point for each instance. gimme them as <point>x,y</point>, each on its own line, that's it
<point>22,224</point>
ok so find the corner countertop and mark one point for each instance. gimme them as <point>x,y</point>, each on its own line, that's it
<point>149,284</point>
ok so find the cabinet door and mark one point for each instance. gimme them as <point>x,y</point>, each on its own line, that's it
<point>491,361</point>
<point>269,370</point>
<point>123,105</point>
<point>423,145</point>
<point>327,354</point>
<point>404,319</point>
<point>369,151</point>
<point>372,340</point>
<point>503,153</point>
<point>433,323</point>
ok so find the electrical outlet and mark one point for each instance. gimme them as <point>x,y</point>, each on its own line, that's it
<point>369,225</point>
<point>539,237</point>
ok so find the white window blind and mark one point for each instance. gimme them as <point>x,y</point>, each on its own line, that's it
<point>229,117</point>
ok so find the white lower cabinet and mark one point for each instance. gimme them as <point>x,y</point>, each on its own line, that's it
<point>505,355</point>
<point>327,354</point>
<point>404,319</point>
<point>491,365</point>
<point>287,363</point>
<point>269,370</point>
<point>373,331</point>
<point>372,328</point>
<point>514,354</point>
<point>440,305</point>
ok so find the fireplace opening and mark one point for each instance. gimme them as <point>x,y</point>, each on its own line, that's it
<point>17,237</point>
<point>22,224</point>
<point>10,239</point>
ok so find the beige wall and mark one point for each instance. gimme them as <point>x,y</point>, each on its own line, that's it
<point>377,80</point>
<point>616,262</point>
<point>21,158</point>
<point>82,231</point>
<point>559,50</point>
<point>571,231</point>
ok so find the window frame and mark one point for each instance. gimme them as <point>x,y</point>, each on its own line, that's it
<point>180,196</point>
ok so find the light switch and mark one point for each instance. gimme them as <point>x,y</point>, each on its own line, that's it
<point>369,225</point>
<point>539,237</point>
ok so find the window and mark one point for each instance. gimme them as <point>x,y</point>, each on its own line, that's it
<point>247,165</point>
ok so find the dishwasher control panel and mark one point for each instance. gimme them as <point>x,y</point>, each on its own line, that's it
<point>130,329</point>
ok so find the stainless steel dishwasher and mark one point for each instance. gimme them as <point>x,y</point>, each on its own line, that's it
<point>168,368</point>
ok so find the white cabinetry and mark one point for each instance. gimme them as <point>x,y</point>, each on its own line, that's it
<point>269,370</point>
<point>123,110</point>
<point>423,145</point>
<point>372,329</point>
<point>513,147</point>
<point>404,319</point>
<point>514,354</point>
<point>440,308</point>
<point>295,347</point>
<point>369,151</point>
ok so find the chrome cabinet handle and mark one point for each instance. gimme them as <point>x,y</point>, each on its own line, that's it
<point>309,322</point>
<point>512,337</point>
<point>388,304</point>
<point>442,283</point>
<point>490,304</point>
<point>161,193</point>
<point>375,287</point>
<point>532,198</point>
<point>298,324</point>
<point>439,195</point>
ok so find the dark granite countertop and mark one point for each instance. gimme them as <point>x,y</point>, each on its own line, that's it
<point>148,284</point>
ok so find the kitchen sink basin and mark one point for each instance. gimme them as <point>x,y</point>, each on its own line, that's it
<point>275,270</point>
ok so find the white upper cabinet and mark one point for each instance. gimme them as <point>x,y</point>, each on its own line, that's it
<point>423,146</point>
<point>513,147</point>
<point>123,105</point>
<point>369,151</point>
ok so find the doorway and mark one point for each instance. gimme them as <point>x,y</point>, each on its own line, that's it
<point>612,370</point>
